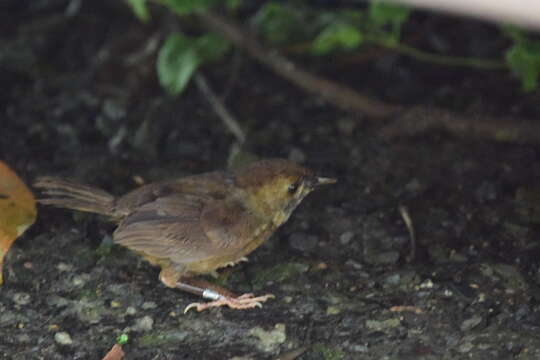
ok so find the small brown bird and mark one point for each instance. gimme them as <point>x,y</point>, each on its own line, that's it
<point>197,224</point>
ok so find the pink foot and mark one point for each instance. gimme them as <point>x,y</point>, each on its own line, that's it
<point>246,301</point>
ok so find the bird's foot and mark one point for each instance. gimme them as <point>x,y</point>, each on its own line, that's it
<point>246,301</point>
<point>232,263</point>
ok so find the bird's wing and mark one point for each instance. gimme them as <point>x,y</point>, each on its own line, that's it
<point>212,184</point>
<point>167,228</point>
<point>229,225</point>
<point>188,228</point>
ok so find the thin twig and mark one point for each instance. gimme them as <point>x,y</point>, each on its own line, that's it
<point>335,93</point>
<point>405,121</point>
<point>420,119</point>
<point>220,109</point>
<point>404,212</point>
<point>291,355</point>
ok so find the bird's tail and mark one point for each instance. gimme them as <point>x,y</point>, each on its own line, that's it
<point>71,195</point>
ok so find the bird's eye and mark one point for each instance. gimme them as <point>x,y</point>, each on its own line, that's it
<point>293,187</point>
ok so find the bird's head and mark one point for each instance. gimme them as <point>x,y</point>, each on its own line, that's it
<point>275,187</point>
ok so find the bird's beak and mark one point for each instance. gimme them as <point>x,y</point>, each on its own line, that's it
<point>324,181</point>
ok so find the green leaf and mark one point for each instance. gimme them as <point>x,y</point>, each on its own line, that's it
<point>524,60</point>
<point>140,9</point>
<point>122,339</point>
<point>279,23</point>
<point>337,36</point>
<point>383,13</point>
<point>180,56</point>
<point>211,47</point>
<point>177,61</point>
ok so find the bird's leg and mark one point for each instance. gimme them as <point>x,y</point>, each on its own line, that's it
<point>218,295</point>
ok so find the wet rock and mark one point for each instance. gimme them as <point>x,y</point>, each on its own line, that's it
<point>24,339</point>
<point>63,338</point>
<point>12,318</point>
<point>358,348</point>
<point>22,298</point>
<point>145,323</point>
<point>511,276</point>
<point>114,110</point>
<point>403,280</point>
<point>516,230</point>
<point>86,310</point>
<point>333,310</point>
<point>471,323</point>
<point>327,352</point>
<point>465,347</point>
<point>354,264</point>
<point>457,257</point>
<point>269,341</point>
<point>55,300</point>
<point>163,339</point>
<point>380,247</point>
<point>63,267</point>
<point>339,223</point>
<point>80,280</point>
<point>346,237</point>
<point>393,279</point>
<point>303,242</point>
<point>376,325</point>
<point>426,284</point>
<point>131,310</point>
<point>147,305</point>
<point>414,187</point>
<point>382,258</point>
<point>278,273</point>
<point>119,290</point>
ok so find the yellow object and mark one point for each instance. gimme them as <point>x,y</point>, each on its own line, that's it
<point>17,210</point>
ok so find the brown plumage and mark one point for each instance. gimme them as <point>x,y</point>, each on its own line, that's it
<point>196,224</point>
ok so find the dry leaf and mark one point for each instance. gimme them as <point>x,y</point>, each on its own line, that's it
<point>17,210</point>
<point>116,353</point>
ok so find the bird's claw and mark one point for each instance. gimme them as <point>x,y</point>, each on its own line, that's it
<point>245,301</point>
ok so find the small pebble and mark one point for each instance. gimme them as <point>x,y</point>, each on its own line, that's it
<point>303,242</point>
<point>22,298</point>
<point>113,109</point>
<point>346,237</point>
<point>269,341</point>
<point>147,305</point>
<point>131,310</point>
<point>24,338</point>
<point>63,338</point>
<point>63,267</point>
<point>470,323</point>
<point>145,323</point>
<point>80,280</point>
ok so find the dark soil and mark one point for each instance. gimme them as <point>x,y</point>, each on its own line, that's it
<point>80,99</point>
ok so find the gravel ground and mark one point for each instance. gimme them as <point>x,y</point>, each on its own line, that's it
<point>80,100</point>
